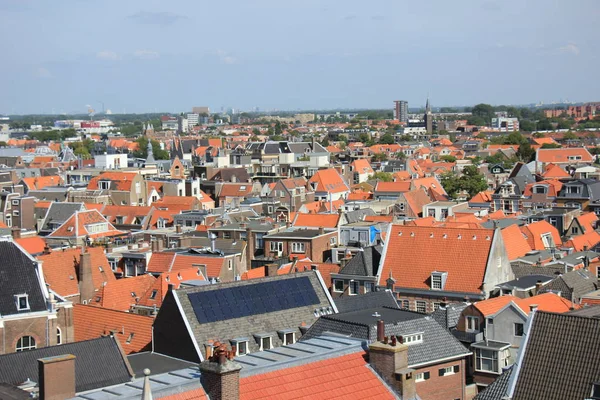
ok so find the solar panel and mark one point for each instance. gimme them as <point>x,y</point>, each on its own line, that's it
<point>252,299</point>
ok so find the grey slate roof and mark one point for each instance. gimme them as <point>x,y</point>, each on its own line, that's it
<point>382,298</point>
<point>437,342</point>
<point>359,215</point>
<point>560,359</point>
<point>525,282</point>
<point>364,263</point>
<point>497,389</point>
<point>18,275</point>
<point>573,284</point>
<point>157,363</point>
<point>98,363</point>
<point>522,269</point>
<point>448,316</point>
<point>60,212</point>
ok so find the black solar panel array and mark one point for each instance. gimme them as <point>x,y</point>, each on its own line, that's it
<point>253,299</point>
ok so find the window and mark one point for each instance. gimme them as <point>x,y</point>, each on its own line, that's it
<point>226,235</point>
<point>539,189</point>
<point>422,376</point>
<point>405,304</point>
<point>354,287</point>
<point>153,294</point>
<point>265,343</point>
<point>421,306</point>
<point>449,370</point>
<point>575,230</point>
<point>58,336</point>
<point>338,285</point>
<point>16,213</point>
<point>241,348</point>
<point>486,360</point>
<point>413,338</point>
<point>548,240</point>
<point>436,305</point>
<point>103,185</point>
<point>22,301</point>
<point>518,329</point>
<point>25,343</point>
<point>289,338</point>
<point>436,282</point>
<point>573,189</point>
<point>298,247</point>
<point>230,264</point>
<point>333,240</point>
<point>369,287</point>
<point>472,324</point>
<point>276,246</point>
<point>490,321</point>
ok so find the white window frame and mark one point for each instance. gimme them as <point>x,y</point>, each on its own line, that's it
<point>405,304</point>
<point>353,290</point>
<point>472,323</point>
<point>341,280</point>
<point>298,247</point>
<point>275,246</point>
<point>515,329</point>
<point>418,304</point>
<point>285,338</point>
<point>448,370</point>
<point>21,346</point>
<point>18,299</point>
<point>436,282</point>
<point>479,363</point>
<point>59,336</point>
<point>369,287</point>
<point>270,343</point>
<point>237,348</point>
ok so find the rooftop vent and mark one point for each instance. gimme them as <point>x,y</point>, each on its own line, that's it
<point>376,314</point>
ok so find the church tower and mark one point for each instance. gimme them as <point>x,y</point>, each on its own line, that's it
<point>428,118</point>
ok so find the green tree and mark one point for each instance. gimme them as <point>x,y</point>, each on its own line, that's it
<point>255,131</point>
<point>544,125</point>
<point>525,152</point>
<point>386,139</point>
<point>569,136</point>
<point>527,126</point>
<point>142,151</point>
<point>450,159</point>
<point>551,146</point>
<point>476,120</point>
<point>565,124</point>
<point>364,137</point>
<point>470,180</point>
<point>484,111</point>
<point>382,176</point>
<point>379,157</point>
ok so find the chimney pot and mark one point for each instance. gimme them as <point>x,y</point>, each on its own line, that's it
<point>380,331</point>
<point>533,307</point>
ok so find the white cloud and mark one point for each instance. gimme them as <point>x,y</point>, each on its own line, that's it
<point>570,48</point>
<point>42,73</point>
<point>226,58</point>
<point>107,55</point>
<point>146,54</point>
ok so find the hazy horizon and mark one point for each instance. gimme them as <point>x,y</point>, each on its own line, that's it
<point>142,57</point>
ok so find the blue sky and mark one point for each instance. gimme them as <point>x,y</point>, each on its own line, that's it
<point>141,56</point>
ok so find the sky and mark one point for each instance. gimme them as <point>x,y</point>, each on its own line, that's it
<point>153,55</point>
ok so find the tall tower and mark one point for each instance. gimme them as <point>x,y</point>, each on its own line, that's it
<point>401,110</point>
<point>428,118</point>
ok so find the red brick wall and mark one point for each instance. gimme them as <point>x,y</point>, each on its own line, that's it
<point>448,387</point>
<point>14,329</point>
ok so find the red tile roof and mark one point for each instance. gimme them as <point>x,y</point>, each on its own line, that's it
<point>173,262</point>
<point>393,187</point>
<point>122,180</point>
<point>32,244</point>
<point>482,197</point>
<point>549,302</point>
<point>362,166</point>
<point>317,220</point>
<point>553,171</point>
<point>329,180</point>
<point>461,252</point>
<point>131,215</point>
<point>584,242</point>
<point>71,229</point>
<point>533,233</point>
<point>342,377</point>
<point>195,394</point>
<point>553,185</point>
<point>562,155</point>
<point>133,331</point>
<point>587,221</point>
<point>157,292</point>
<point>230,189</point>
<point>40,182</point>
<point>514,241</point>
<point>61,274</point>
<point>121,294</point>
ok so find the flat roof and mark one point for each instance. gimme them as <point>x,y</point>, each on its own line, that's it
<point>369,316</point>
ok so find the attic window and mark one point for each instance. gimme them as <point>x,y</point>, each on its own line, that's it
<point>242,187</point>
<point>438,280</point>
<point>130,338</point>
<point>22,301</point>
<point>414,338</point>
<point>100,268</point>
<point>70,229</point>
<point>595,391</point>
<point>132,294</point>
<point>153,294</point>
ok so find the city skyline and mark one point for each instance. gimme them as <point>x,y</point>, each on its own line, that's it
<point>139,57</point>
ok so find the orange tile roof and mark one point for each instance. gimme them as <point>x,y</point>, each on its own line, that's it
<point>166,215</point>
<point>128,213</point>
<point>482,197</point>
<point>393,187</point>
<point>350,373</point>
<point>154,185</point>
<point>586,241</point>
<point>401,175</point>
<point>587,221</point>
<point>40,182</point>
<point>362,166</point>
<point>533,233</point>
<point>122,180</point>
<point>173,262</point>
<point>379,218</point>
<point>549,302</point>
<point>133,331</point>
<point>75,226</point>
<point>562,155</point>
<point>121,294</point>
<point>61,274</point>
<point>416,199</point>
<point>554,187</point>
<point>329,180</point>
<point>334,149</point>
<point>385,148</point>
<point>32,244</point>
<point>429,183</point>
<point>553,171</point>
<point>359,195</point>
<point>43,204</point>
<point>195,394</point>
<point>230,189</point>
<point>544,140</point>
<point>462,252</point>
<point>157,292</point>
<point>317,220</point>
<point>514,241</point>
<point>492,306</point>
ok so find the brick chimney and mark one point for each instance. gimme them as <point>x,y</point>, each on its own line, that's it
<point>271,269</point>
<point>16,233</point>
<point>57,377</point>
<point>249,247</point>
<point>220,375</point>
<point>86,282</point>
<point>389,357</point>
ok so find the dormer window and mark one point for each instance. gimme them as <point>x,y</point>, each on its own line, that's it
<point>573,189</point>
<point>438,280</point>
<point>22,301</point>
<point>540,189</point>
<point>103,185</point>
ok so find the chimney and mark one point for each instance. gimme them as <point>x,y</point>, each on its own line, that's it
<point>160,244</point>
<point>249,247</point>
<point>314,267</point>
<point>213,242</point>
<point>390,360</point>
<point>533,307</point>
<point>271,269</point>
<point>153,245</point>
<point>47,249</point>
<point>321,230</point>
<point>220,375</point>
<point>177,228</point>
<point>538,286</point>
<point>57,377</point>
<point>86,283</point>
<point>16,233</point>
